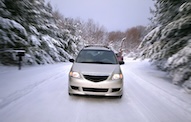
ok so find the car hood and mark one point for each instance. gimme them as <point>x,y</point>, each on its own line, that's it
<point>96,69</point>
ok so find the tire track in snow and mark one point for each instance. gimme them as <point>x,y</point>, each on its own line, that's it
<point>156,90</point>
<point>23,92</point>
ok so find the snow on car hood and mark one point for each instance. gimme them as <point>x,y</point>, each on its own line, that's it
<point>96,69</point>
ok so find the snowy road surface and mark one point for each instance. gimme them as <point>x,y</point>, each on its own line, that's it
<point>39,94</point>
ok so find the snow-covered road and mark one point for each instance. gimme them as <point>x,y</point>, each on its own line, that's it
<point>39,94</point>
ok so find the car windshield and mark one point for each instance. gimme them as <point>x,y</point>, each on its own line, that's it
<point>96,56</point>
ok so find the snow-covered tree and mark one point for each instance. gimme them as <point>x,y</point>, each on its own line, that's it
<point>12,33</point>
<point>31,25</point>
<point>168,44</point>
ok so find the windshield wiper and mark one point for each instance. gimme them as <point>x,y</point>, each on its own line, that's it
<point>103,62</point>
<point>96,62</point>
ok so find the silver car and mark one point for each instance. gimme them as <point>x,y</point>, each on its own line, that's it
<point>96,71</point>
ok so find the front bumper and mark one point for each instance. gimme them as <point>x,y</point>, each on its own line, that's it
<point>103,88</point>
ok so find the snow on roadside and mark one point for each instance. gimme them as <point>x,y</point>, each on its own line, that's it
<point>15,83</point>
<point>160,83</point>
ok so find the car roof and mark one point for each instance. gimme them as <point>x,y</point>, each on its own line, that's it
<point>95,47</point>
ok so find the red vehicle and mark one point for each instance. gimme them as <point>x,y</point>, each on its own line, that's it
<point>120,57</point>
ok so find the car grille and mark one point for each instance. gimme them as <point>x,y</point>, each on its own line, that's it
<point>95,78</point>
<point>95,89</point>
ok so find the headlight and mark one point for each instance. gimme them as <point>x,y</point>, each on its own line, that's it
<point>74,74</point>
<point>117,76</point>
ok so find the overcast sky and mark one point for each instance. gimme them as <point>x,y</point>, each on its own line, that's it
<point>113,14</point>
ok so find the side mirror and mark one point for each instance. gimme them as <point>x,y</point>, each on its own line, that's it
<point>121,62</point>
<point>71,60</point>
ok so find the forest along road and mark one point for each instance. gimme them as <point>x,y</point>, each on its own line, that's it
<point>40,94</point>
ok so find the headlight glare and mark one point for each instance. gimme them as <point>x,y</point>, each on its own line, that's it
<point>74,74</point>
<point>117,76</point>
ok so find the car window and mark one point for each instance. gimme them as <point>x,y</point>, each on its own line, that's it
<point>96,56</point>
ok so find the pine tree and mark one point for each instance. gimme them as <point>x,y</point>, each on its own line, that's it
<point>29,24</point>
<point>166,43</point>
